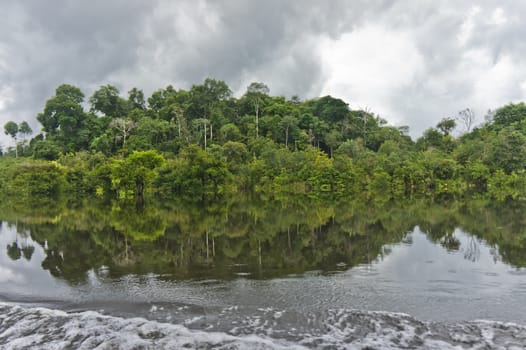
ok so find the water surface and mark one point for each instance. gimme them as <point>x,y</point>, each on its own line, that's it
<point>264,275</point>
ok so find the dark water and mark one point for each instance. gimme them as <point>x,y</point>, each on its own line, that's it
<point>259,274</point>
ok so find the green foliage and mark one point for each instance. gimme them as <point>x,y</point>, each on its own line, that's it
<point>34,178</point>
<point>509,114</point>
<point>46,149</point>
<point>330,109</point>
<point>290,235</point>
<point>11,129</point>
<point>80,171</point>
<point>446,125</point>
<point>195,172</point>
<point>213,143</point>
<point>134,173</point>
<point>63,119</point>
<point>106,100</point>
<point>509,150</point>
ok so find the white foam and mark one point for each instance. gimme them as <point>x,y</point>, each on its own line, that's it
<point>41,328</point>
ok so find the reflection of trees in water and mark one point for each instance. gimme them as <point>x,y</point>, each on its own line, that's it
<point>20,246</point>
<point>450,242</point>
<point>14,251</point>
<point>265,238</point>
<point>472,249</point>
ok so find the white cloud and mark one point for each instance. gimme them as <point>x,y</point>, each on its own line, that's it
<point>522,85</point>
<point>498,17</point>
<point>368,67</point>
<point>466,29</point>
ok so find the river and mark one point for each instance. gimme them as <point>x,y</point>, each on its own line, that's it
<point>264,275</point>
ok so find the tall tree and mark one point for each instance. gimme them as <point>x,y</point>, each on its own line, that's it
<point>65,104</point>
<point>466,117</point>
<point>330,109</point>
<point>136,171</point>
<point>11,129</point>
<point>63,118</point>
<point>509,114</point>
<point>446,125</point>
<point>122,128</point>
<point>288,123</point>
<point>256,93</point>
<point>136,99</point>
<point>207,101</point>
<point>25,129</point>
<point>107,101</point>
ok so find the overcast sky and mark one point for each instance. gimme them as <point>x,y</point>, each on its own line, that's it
<point>411,62</point>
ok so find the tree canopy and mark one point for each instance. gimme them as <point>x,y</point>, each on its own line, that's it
<point>204,140</point>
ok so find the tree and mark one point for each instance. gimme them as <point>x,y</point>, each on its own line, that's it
<point>25,129</point>
<point>107,101</point>
<point>11,129</point>
<point>136,171</point>
<point>197,124</point>
<point>363,122</point>
<point>63,119</point>
<point>330,109</point>
<point>333,140</point>
<point>229,132</point>
<point>150,133</point>
<point>509,150</point>
<point>13,251</point>
<point>256,93</point>
<point>123,128</point>
<point>288,122</point>
<point>236,154</point>
<point>180,120</point>
<point>66,102</point>
<point>136,99</point>
<point>466,117</point>
<point>509,114</point>
<point>45,149</point>
<point>197,172</point>
<point>207,102</point>
<point>446,125</point>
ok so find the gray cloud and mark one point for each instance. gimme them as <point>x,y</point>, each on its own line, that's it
<point>44,44</point>
<point>463,54</point>
<point>464,48</point>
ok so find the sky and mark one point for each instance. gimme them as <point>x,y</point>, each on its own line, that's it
<point>410,62</point>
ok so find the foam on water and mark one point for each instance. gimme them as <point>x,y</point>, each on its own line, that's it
<point>41,328</point>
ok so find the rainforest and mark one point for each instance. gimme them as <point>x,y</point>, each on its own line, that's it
<point>205,143</point>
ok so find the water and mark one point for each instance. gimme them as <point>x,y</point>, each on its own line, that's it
<point>41,328</point>
<point>264,276</point>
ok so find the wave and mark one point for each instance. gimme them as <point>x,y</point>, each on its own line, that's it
<point>42,328</point>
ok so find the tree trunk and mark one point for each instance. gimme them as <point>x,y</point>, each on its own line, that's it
<point>257,119</point>
<point>205,135</point>
<point>288,236</point>
<point>207,254</point>
<point>139,188</point>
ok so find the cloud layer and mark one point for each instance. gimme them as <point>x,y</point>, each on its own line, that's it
<point>412,63</point>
